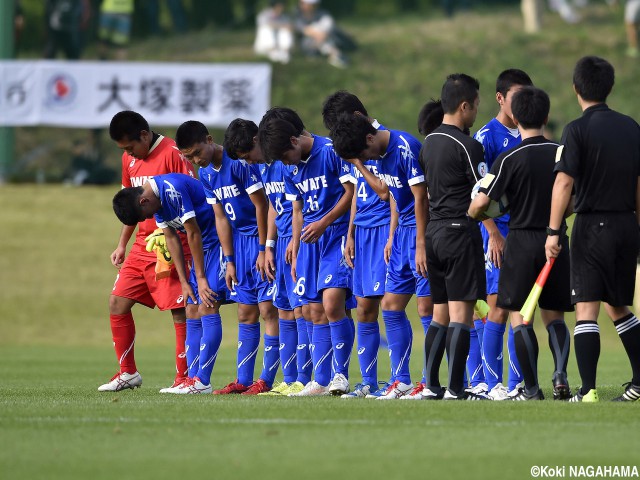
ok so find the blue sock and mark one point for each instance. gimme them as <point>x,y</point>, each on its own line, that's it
<point>342,341</point>
<point>288,349</point>
<point>321,354</point>
<point>352,324</point>
<point>479,326</point>
<point>474,360</point>
<point>209,345</point>
<point>515,372</point>
<point>192,345</point>
<point>426,321</point>
<point>368,344</point>
<point>492,341</point>
<point>399,338</point>
<point>248,344</point>
<point>271,359</point>
<point>303,354</point>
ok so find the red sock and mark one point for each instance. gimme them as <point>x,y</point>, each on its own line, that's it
<point>123,331</point>
<point>181,357</point>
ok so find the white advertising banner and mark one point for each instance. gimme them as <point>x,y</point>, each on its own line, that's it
<point>88,94</point>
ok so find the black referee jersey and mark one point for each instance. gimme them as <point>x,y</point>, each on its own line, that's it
<point>601,152</point>
<point>525,175</point>
<point>453,163</point>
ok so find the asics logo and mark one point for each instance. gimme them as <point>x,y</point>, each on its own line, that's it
<point>505,143</point>
<point>302,346</point>
<point>180,299</point>
<point>203,346</point>
<point>268,349</point>
<point>132,163</point>
<point>183,354</point>
<point>361,350</point>
<point>376,286</point>
<point>282,345</point>
<point>328,279</point>
<point>339,346</point>
<point>271,290</point>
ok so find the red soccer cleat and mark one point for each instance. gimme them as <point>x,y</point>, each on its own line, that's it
<point>233,387</point>
<point>257,387</point>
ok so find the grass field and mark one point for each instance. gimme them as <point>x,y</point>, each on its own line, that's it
<point>55,350</point>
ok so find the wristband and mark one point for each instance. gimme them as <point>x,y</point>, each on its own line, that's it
<point>552,233</point>
<point>271,243</point>
<point>261,248</point>
<point>229,258</point>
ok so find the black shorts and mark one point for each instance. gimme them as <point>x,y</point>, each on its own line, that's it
<point>524,257</point>
<point>455,261</point>
<point>604,247</point>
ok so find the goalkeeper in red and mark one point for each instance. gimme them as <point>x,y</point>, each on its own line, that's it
<point>524,176</point>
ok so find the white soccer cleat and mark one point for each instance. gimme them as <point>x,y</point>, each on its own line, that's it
<point>516,390</point>
<point>312,389</point>
<point>122,381</point>
<point>177,383</point>
<point>481,388</point>
<point>498,393</point>
<point>361,391</point>
<point>339,385</point>
<point>192,386</point>
<point>415,394</point>
<point>397,390</point>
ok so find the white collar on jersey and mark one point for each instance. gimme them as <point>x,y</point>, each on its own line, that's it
<point>157,142</point>
<point>154,187</point>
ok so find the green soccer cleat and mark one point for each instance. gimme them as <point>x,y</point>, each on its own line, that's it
<point>276,391</point>
<point>295,387</point>
<point>590,397</point>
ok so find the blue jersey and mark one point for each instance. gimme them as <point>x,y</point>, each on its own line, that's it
<point>181,198</point>
<point>231,185</point>
<point>370,210</point>
<point>317,181</point>
<point>400,169</point>
<point>273,181</point>
<point>495,139</point>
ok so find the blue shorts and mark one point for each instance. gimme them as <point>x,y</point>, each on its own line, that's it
<point>251,289</point>
<point>285,299</point>
<point>214,271</point>
<point>402,276</point>
<point>322,265</point>
<point>369,269</point>
<point>491,271</point>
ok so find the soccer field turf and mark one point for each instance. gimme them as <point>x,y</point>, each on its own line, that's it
<point>54,424</point>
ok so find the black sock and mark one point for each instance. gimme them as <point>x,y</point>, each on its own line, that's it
<point>527,353</point>
<point>434,344</point>
<point>560,344</point>
<point>628,328</point>
<point>586,337</point>
<point>458,341</point>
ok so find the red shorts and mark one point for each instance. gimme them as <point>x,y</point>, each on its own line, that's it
<point>137,281</point>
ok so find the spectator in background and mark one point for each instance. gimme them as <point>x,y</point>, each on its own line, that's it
<point>65,21</point>
<point>274,33</point>
<point>115,28</point>
<point>176,11</point>
<point>632,22</point>
<point>318,32</point>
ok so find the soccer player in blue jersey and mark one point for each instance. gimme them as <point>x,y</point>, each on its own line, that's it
<point>497,136</point>
<point>321,188</point>
<point>401,177</point>
<point>368,239</point>
<point>295,357</point>
<point>178,203</point>
<point>238,188</point>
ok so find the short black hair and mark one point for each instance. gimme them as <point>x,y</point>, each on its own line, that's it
<point>340,102</point>
<point>511,77</point>
<point>530,107</point>
<point>126,206</point>
<point>349,135</point>
<point>593,78</point>
<point>274,138</point>
<point>127,124</point>
<point>238,138</point>
<point>190,133</point>
<point>283,113</point>
<point>430,117</point>
<point>458,88</point>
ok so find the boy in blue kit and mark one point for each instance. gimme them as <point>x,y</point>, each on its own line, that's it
<point>238,188</point>
<point>497,136</point>
<point>401,177</point>
<point>368,239</point>
<point>320,186</point>
<point>295,357</point>
<point>178,203</point>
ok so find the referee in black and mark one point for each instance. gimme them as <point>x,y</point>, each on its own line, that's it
<point>455,259</point>
<point>599,158</point>
<point>524,175</point>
